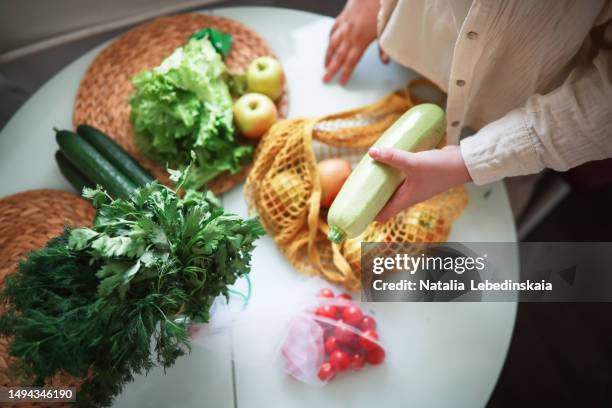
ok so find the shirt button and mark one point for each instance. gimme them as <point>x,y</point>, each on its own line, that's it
<point>455,123</point>
<point>472,35</point>
<point>460,82</point>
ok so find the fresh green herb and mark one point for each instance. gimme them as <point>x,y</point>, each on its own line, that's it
<point>185,105</point>
<point>105,303</point>
<point>220,41</point>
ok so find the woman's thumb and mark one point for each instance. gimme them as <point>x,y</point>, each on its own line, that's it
<point>393,157</point>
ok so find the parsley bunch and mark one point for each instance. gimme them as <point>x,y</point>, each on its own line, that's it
<point>105,303</point>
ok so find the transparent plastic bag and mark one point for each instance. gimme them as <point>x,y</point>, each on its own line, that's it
<point>329,337</point>
<point>308,336</point>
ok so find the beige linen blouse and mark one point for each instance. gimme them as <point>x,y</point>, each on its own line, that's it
<point>534,78</point>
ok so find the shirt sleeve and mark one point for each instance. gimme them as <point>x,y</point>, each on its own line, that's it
<point>560,130</point>
<point>384,12</point>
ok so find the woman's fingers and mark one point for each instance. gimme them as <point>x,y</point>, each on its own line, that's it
<point>393,157</point>
<point>353,57</point>
<point>383,55</point>
<point>337,23</point>
<point>334,41</point>
<point>336,61</point>
<point>399,201</point>
<point>402,197</point>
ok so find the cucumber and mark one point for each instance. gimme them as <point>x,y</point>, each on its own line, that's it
<point>71,173</point>
<point>91,163</point>
<point>115,154</point>
<point>371,184</point>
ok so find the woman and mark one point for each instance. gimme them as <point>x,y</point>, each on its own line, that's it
<point>534,78</point>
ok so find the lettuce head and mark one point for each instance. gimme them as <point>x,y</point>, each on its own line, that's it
<point>185,105</point>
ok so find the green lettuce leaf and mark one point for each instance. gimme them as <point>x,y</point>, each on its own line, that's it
<point>184,104</point>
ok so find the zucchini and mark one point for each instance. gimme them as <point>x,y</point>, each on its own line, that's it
<point>371,184</point>
<point>71,173</point>
<point>91,163</point>
<point>115,154</point>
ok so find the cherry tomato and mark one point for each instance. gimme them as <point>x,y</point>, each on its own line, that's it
<point>367,323</point>
<point>326,293</point>
<point>326,372</point>
<point>343,334</point>
<point>345,296</point>
<point>340,360</point>
<point>375,356</point>
<point>331,344</point>
<point>357,360</point>
<point>341,302</point>
<point>328,311</point>
<point>328,328</point>
<point>352,315</point>
<point>367,340</point>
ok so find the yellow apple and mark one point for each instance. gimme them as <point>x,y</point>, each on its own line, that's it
<point>265,75</point>
<point>254,113</point>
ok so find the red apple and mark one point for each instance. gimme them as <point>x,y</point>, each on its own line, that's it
<point>265,75</point>
<point>332,174</point>
<point>254,114</point>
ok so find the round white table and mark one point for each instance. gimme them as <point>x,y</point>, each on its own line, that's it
<point>440,354</point>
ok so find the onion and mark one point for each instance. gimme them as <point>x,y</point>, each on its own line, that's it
<point>332,174</point>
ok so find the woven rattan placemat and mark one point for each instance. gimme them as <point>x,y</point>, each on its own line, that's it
<point>27,221</point>
<point>102,98</point>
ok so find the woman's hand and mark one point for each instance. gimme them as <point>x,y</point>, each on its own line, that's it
<point>427,174</point>
<point>353,31</point>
